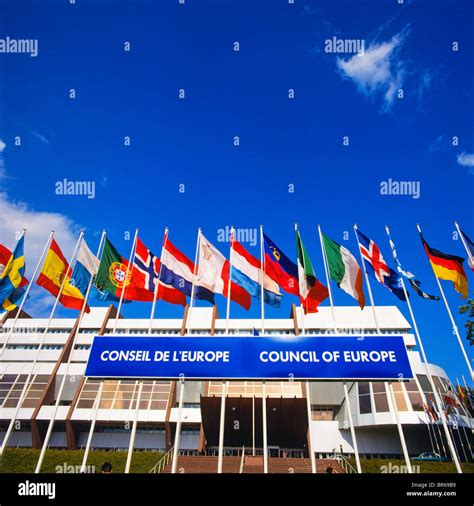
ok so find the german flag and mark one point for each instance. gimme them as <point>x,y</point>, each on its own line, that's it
<point>447,267</point>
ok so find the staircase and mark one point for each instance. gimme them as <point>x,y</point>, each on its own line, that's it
<point>205,464</point>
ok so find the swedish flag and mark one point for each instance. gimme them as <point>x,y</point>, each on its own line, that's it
<point>12,275</point>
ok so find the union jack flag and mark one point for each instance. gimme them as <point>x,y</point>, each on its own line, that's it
<point>376,266</point>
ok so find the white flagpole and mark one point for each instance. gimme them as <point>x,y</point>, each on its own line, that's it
<point>453,323</point>
<point>262,281</point>
<point>387,384</point>
<point>310,449</point>
<point>134,429</point>
<point>27,381</point>
<point>92,427</point>
<point>224,393</point>
<point>346,391</point>
<point>127,271</point>
<point>63,381</point>
<point>155,295</point>
<point>193,286</point>
<point>303,314</point>
<point>177,435</point>
<point>468,251</point>
<point>27,291</point>
<point>427,369</point>
<point>264,431</point>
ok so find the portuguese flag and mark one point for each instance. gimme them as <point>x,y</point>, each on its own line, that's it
<point>113,271</point>
<point>447,267</point>
<point>344,269</point>
<point>312,292</point>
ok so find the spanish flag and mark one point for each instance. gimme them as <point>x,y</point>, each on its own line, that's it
<point>56,270</point>
<point>448,267</point>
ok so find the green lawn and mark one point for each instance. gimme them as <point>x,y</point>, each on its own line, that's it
<point>387,465</point>
<point>23,460</point>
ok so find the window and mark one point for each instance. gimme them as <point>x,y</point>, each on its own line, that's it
<point>380,397</point>
<point>414,395</point>
<point>399,396</point>
<point>365,405</point>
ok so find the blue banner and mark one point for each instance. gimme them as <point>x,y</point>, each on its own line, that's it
<point>250,357</point>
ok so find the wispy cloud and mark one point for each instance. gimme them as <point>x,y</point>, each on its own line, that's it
<point>15,216</point>
<point>3,172</point>
<point>41,137</point>
<point>379,72</point>
<point>467,160</point>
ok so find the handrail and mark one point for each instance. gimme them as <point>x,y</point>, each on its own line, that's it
<point>344,463</point>
<point>160,465</point>
<point>242,460</point>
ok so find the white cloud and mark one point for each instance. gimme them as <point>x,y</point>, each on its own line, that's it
<point>14,216</point>
<point>2,145</point>
<point>466,159</point>
<point>3,173</point>
<point>378,71</point>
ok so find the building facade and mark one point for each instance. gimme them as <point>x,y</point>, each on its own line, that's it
<point>28,351</point>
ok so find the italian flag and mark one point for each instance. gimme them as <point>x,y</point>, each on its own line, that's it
<point>312,292</point>
<point>344,269</point>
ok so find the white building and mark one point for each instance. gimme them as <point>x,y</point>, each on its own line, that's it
<point>287,420</point>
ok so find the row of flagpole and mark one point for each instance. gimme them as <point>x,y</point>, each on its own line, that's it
<point>132,253</point>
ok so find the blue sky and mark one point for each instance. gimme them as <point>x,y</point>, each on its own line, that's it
<point>242,93</point>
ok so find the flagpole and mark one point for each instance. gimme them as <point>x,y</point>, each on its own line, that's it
<point>27,291</point>
<point>155,295</point>
<point>428,372</point>
<point>455,328</point>
<point>92,427</point>
<point>303,314</point>
<point>468,390</point>
<point>193,286</point>
<point>129,267</point>
<point>227,314</point>
<point>346,391</point>
<point>471,260</point>
<point>449,423</point>
<point>27,381</point>
<point>177,435</point>
<point>63,381</point>
<point>223,392</point>
<point>326,270</point>
<point>134,429</point>
<point>262,281</point>
<point>387,383</point>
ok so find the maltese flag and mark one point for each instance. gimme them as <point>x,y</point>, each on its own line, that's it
<point>213,274</point>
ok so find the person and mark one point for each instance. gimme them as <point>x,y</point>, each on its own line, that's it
<point>330,469</point>
<point>106,468</point>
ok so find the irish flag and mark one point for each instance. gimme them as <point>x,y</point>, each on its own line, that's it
<point>344,269</point>
<point>312,292</point>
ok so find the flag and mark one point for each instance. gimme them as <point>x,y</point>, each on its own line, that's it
<point>247,272</point>
<point>450,399</point>
<point>10,302</point>
<point>430,409</point>
<point>56,273</point>
<point>312,292</point>
<point>470,247</point>
<point>145,276</point>
<point>87,265</point>
<point>280,268</point>
<point>447,267</point>
<point>178,270</point>
<point>344,269</point>
<point>377,267</point>
<point>415,283</point>
<point>213,274</point>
